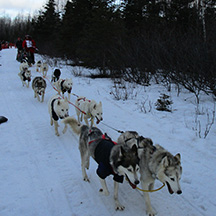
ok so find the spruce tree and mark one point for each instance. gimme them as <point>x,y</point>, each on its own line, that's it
<point>47,27</point>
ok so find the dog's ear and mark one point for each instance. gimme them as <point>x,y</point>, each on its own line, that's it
<point>165,162</point>
<point>122,151</point>
<point>134,148</point>
<point>59,102</point>
<point>94,107</point>
<point>100,103</point>
<point>178,157</point>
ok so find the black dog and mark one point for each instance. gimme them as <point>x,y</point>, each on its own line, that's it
<point>56,75</point>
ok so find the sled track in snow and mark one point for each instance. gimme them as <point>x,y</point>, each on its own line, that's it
<point>47,169</point>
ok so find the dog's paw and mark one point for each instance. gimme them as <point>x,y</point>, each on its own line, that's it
<point>119,207</point>
<point>151,213</point>
<point>86,179</point>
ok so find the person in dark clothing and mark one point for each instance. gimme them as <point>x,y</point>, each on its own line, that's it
<point>19,49</point>
<point>19,43</point>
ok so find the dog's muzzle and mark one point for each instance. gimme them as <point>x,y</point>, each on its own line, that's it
<point>131,184</point>
<point>98,120</point>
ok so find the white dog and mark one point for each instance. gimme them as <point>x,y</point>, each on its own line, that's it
<point>44,68</point>
<point>88,109</point>
<point>58,108</point>
<point>38,66</point>
<point>25,77</point>
<point>64,85</point>
<point>24,67</point>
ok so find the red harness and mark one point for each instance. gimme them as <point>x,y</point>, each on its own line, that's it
<point>84,99</point>
<point>103,137</point>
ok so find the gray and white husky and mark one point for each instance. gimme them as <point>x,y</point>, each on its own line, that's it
<point>161,165</point>
<point>39,86</point>
<point>117,160</point>
<point>155,163</point>
<point>143,143</point>
<point>58,109</point>
<point>25,77</point>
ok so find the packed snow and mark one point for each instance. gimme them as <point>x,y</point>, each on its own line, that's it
<point>40,173</point>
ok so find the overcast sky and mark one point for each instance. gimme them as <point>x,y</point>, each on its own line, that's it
<point>12,8</point>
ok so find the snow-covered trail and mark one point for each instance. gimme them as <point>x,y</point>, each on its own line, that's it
<point>40,173</point>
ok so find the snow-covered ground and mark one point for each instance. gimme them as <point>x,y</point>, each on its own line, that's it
<point>40,173</point>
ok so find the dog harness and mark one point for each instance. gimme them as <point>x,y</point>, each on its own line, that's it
<point>102,157</point>
<point>24,77</point>
<point>84,99</point>
<point>54,115</point>
<point>64,89</point>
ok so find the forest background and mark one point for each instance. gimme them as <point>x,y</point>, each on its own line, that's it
<point>168,41</point>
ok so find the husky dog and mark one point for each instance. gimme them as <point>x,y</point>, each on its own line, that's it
<point>24,66</point>
<point>127,136</point>
<point>143,143</point>
<point>24,57</point>
<point>38,66</point>
<point>44,68</point>
<point>58,108</point>
<point>90,109</point>
<point>64,85</point>
<point>25,77</point>
<point>56,75</point>
<point>112,159</point>
<point>39,86</point>
<point>163,166</point>
<point>3,119</point>
<point>155,163</point>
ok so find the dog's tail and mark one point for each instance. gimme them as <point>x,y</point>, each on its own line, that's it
<point>76,127</point>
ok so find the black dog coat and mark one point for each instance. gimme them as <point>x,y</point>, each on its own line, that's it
<point>102,157</point>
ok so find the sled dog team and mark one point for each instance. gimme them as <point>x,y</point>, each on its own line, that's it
<point>130,157</point>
